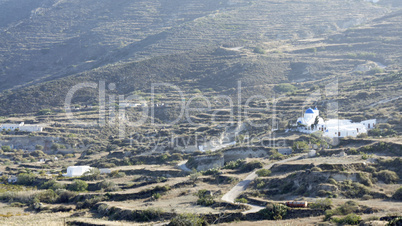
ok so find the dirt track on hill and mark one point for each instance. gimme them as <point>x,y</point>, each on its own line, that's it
<point>242,185</point>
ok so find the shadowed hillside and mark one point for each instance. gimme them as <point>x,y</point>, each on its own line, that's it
<point>52,39</point>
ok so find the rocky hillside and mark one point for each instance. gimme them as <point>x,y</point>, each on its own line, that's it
<point>48,46</point>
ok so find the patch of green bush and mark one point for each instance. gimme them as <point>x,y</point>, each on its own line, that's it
<point>350,219</point>
<point>250,166</point>
<point>285,88</point>
<point>48,196</point>
<point>156,196</point>
<point>92,174</point>
<point>65,196</point>
<point>263,172</point>
<point>26,179</point>
<point>398,194</point>
<point>234,164</point>
<point>211,172</point>
<point>149,214</point>
<point>354,189</point>
<point>346,208</point>
<point>259,50</point>
<point>89,203</point>
<point>300,145</point>
<point>52,184</point>
<point>107,186</point>
<point>322,204</point>
<point>205,199</point>
<point>241,200</point>
<point>364,179</point>
<point>78,185</point>
<point>187,219</point>
<point>387,176</point>
<point>274,212</point>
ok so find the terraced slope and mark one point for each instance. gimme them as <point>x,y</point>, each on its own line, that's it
<point>52,39</point>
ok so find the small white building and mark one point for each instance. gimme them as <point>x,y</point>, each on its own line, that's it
<point>12,127</point>
<point>369,124</point>
<point>21,127</point>
<point>312,122</point>
<point>77,171</point>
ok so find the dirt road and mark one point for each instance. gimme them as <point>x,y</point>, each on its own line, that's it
<point>242,185</point>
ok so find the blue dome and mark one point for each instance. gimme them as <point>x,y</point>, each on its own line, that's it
<point>309,111</point>
<point>316,108</point>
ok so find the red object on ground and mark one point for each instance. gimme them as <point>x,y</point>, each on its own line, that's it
<point>297,204</point>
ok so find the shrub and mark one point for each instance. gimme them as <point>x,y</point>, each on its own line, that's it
<point>275,155</point>
<point>204,198</point>
<point>48,196</point>
<point>395,222</point>
<point>163,158</point>
<point>300,145</point>
<point>78,185</point>
<point>65,196</point>
<point>156,196</point>
<point>364,179</point>
<point>194,177</point>
<point>241,200</point>
<point>322,204</point>
<point>351,219</point>
<point>52,184</point>
<point>285,87</point>
<point>376,70</point>
<point>263,172</point>
<point>259,50</point>
<point>21,196</point>
<point>55,147</point>
<point>211,172</point>
<point>274,212</point>
<point>117,174</point>
<point>398,194</point>
<point>26,179</point>
<point>365,156</point>
<point>332,181</point>
<point>367,197</point>
<point>6,148</point>
<point>39,147</point>
<point>234,164</point>
<point>388,176</point>
<point>260,183</point>
<point>250,166</point>
<point>323,193</point>
<point>17,204</point>
<point>316,169</point>
<point>44,112</point>
<point>107,186</point>
<point>92,174</point>
<point>187,219</point>
<point>354,190</point>
<point>89,203</point>
<point>347,208</point>
<point>149,214</point>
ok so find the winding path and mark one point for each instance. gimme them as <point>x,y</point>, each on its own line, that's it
<point>242,185</point>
